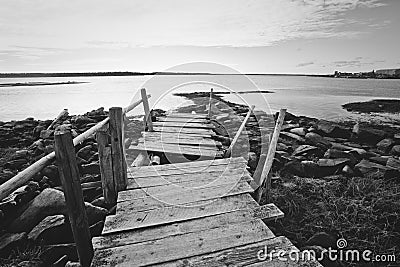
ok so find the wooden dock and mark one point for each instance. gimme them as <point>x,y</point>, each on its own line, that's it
<point>187,200</point>
<point>189,213</point>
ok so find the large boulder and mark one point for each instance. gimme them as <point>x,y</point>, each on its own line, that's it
<point>385,145</point>
<point>368,135</point>
<point>374,170</point>
<point>10,240</point>
<point>48,202</point>
<point>317,140</point>
<point>395,150</point>
<point>336,154</point>
<point>307,151</point>
<point>46,225</point>
<point>332,129</point>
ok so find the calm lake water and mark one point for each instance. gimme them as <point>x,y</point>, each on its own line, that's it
<point>309,96</point>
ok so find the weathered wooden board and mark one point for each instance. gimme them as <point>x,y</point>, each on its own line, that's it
<point>177,119</point>
<point>181,134</point>
<point>134,220</point>
<point>192,179</point>
<point>151,173</point>
<point>247,255</point>
<point>184,227</point>
<point>197,131</point>
<point>197,141</point>
<point>187,115</point>
<point>142,201</point>
<point>176,247</point>
<point>192,165</point>
<point>184,125</point>
<point>178,149</point>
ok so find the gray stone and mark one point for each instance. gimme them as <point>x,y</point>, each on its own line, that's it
<point>46,224</point>
<point>8,240</point>
<point>333,130</point>
<point>385,145</point>
<point>306,150</point>
<point>317,140</point>
<point>299,131</point>
<point>395,150</point>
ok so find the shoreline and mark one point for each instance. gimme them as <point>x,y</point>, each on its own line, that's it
<point>38,83</point>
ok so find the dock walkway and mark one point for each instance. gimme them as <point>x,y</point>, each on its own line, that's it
<point>189,213</point>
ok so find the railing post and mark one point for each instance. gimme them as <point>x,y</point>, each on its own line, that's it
<point>228,152</point>
<point>210,103</point>
<point>147,115</point>
<point>265,179</point>
<point>69,174</point>
<point>106,172</point>
<point>118,149</point>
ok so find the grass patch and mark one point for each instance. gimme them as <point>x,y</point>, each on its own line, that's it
<point>363,211</point>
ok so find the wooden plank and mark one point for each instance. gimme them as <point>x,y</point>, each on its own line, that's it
<point>134,220</point>
<point>117,148</point>
<point>184,130</point>
<point>106,172</point>
<point>187,115</point>
<point>177,247</point>
<point>178,135</point>
<point>181,141</point>
<point>191,179</point>
<point>69,175</point>
<point>184,125</point>
<point>181,134</point>
<point>266,212</point>
<point>143,201</point>
<point>151,173</point>
<point>197,145</point>
<point>192,165</point>
<point>247,255</point>
<point>177,119</point>
<point>177,149</point>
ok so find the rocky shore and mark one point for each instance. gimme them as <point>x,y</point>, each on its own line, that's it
<point>332,180</point>
<point>34,227</point>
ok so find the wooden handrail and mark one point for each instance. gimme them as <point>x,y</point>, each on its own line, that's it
<point>228,152</point>
<point>265,177</point>
<point>25,175</point>
<point>210,103</point>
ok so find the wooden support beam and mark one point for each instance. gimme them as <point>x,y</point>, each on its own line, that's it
<point>147,115</point>
<point>265,177</point>
<point>210,103</point>
<point>228,152</point>
<point>69,174</point>
<point>118,160</point>
<point>106,171</point>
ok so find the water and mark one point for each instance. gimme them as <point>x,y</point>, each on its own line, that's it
<point>309,96</point>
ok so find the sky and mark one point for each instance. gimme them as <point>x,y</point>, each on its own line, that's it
<point>250,36</point>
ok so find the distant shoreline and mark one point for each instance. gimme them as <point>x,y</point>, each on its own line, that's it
<point>102,74</point>
<point>37,83</point>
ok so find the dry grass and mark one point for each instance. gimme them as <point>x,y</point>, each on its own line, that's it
<point>364,211</point>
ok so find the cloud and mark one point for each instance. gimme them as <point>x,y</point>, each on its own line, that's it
<point>116,24</point>
<point>305,64</point>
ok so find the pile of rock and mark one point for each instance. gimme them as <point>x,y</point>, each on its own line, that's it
<point>318,148</point>
<point>36,213</point>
